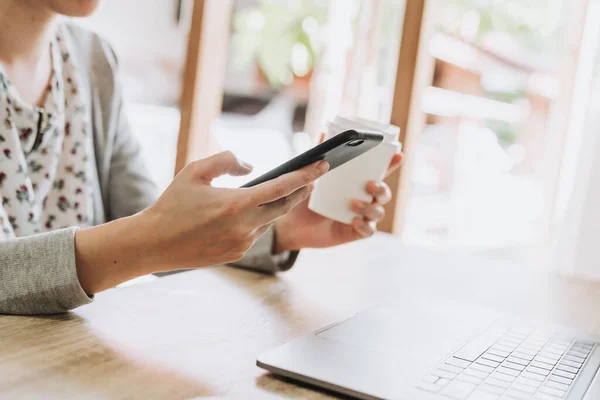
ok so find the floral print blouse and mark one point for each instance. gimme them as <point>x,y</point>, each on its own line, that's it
<point>45,152</point>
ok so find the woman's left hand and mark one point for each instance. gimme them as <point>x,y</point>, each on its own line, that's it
<point>302,228</point>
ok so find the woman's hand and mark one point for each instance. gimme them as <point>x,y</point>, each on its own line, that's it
<point>193,224</point>
<point>302,228</point>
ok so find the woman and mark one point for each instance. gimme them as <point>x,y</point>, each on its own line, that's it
<point>79,214</point>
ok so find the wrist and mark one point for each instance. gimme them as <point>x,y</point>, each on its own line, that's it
<point>112,253</point>
<point>282,241</point>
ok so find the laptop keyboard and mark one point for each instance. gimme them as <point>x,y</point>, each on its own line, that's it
<point>515,364</point>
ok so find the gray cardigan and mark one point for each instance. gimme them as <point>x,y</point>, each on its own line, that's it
<point>38,273</point>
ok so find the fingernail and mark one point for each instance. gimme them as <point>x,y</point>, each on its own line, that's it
<point>358,205</point>
<point>247,165</point>
<point>322,167</point>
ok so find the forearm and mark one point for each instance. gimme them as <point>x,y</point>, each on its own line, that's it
<point>113,253</point>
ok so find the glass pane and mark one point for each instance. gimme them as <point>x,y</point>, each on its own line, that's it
<point>275,45</point>
<point>478,179</point>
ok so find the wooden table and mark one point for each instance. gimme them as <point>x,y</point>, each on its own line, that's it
<point>198,333</point>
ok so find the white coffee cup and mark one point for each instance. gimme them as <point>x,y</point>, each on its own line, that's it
<point>334,192</point>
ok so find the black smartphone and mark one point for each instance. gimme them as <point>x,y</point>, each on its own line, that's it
<point>336,151</point>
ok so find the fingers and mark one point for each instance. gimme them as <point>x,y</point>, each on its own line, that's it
<point>395,163</point>
<point>261,231</point>
<point>270,212</point>
<point>370,212</point>
<point>225,163</point>
<point>287,184</point>
<point>380,191</point>
<point>363,228</point>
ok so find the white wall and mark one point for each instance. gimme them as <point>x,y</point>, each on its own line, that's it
<point>152,47</point>
<point>150,44</point>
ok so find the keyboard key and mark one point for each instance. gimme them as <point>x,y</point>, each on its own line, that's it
<point>566,368</point>
<point>557,347</point>
<point>508,345</point>
<point>571,364</point>
<point>524,388</point>
<point>529,382</point>
<point>502,348</point>
<point>560,379</point>
<point>429,387</point>
<point>503,377</point>
<point>457,362</point>
<point>542,365</point>
<point>472,350</point>
<point>497,382</point>
<point>510,341</point>
<point>523,356</point>
<point>431,379</point>
<point>535,377</point>
<point>513,394</point>
<point>538,371</point>
<point>561,342</point>
<point>476,373</point>
<point>517,360</point>
<point>470,379</point>
<point>553,392</point>
<point>531,348</point>
<point>508,371</point>
<point>581,345</point>
<point>458,390</point>
<point>548,360</point>
<point>577,354</point>
<point>552,351</point>
<point>584,352</point>
<point>564,374</point>
<point>489,363</point>
<point>529,352</point>
<point>517,367</point>
<point>556,385</point>
<point>483,368</point>
<point>582,348</point>
<point>444,374</point>
<point>451,368</point>
<point>499,353</point>
<point>481,395</point>
<point>442,382</point>
<point>573,358</point>
<point>492,389</point>
<point>492,357</point>
<point>550,355</point>
<point>535,343</point>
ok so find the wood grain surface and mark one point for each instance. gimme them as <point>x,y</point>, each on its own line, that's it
<point>198,333</point>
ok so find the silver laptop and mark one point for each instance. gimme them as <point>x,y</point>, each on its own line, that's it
<point>433,349</point>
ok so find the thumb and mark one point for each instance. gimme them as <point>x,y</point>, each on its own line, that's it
<point>322,137</point>
<point>225,163</point>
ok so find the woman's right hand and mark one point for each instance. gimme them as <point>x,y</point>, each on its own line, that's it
<point>197,225</point>
<point>192,225</point>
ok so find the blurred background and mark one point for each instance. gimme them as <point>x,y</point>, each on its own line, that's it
<point>497,115</point>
